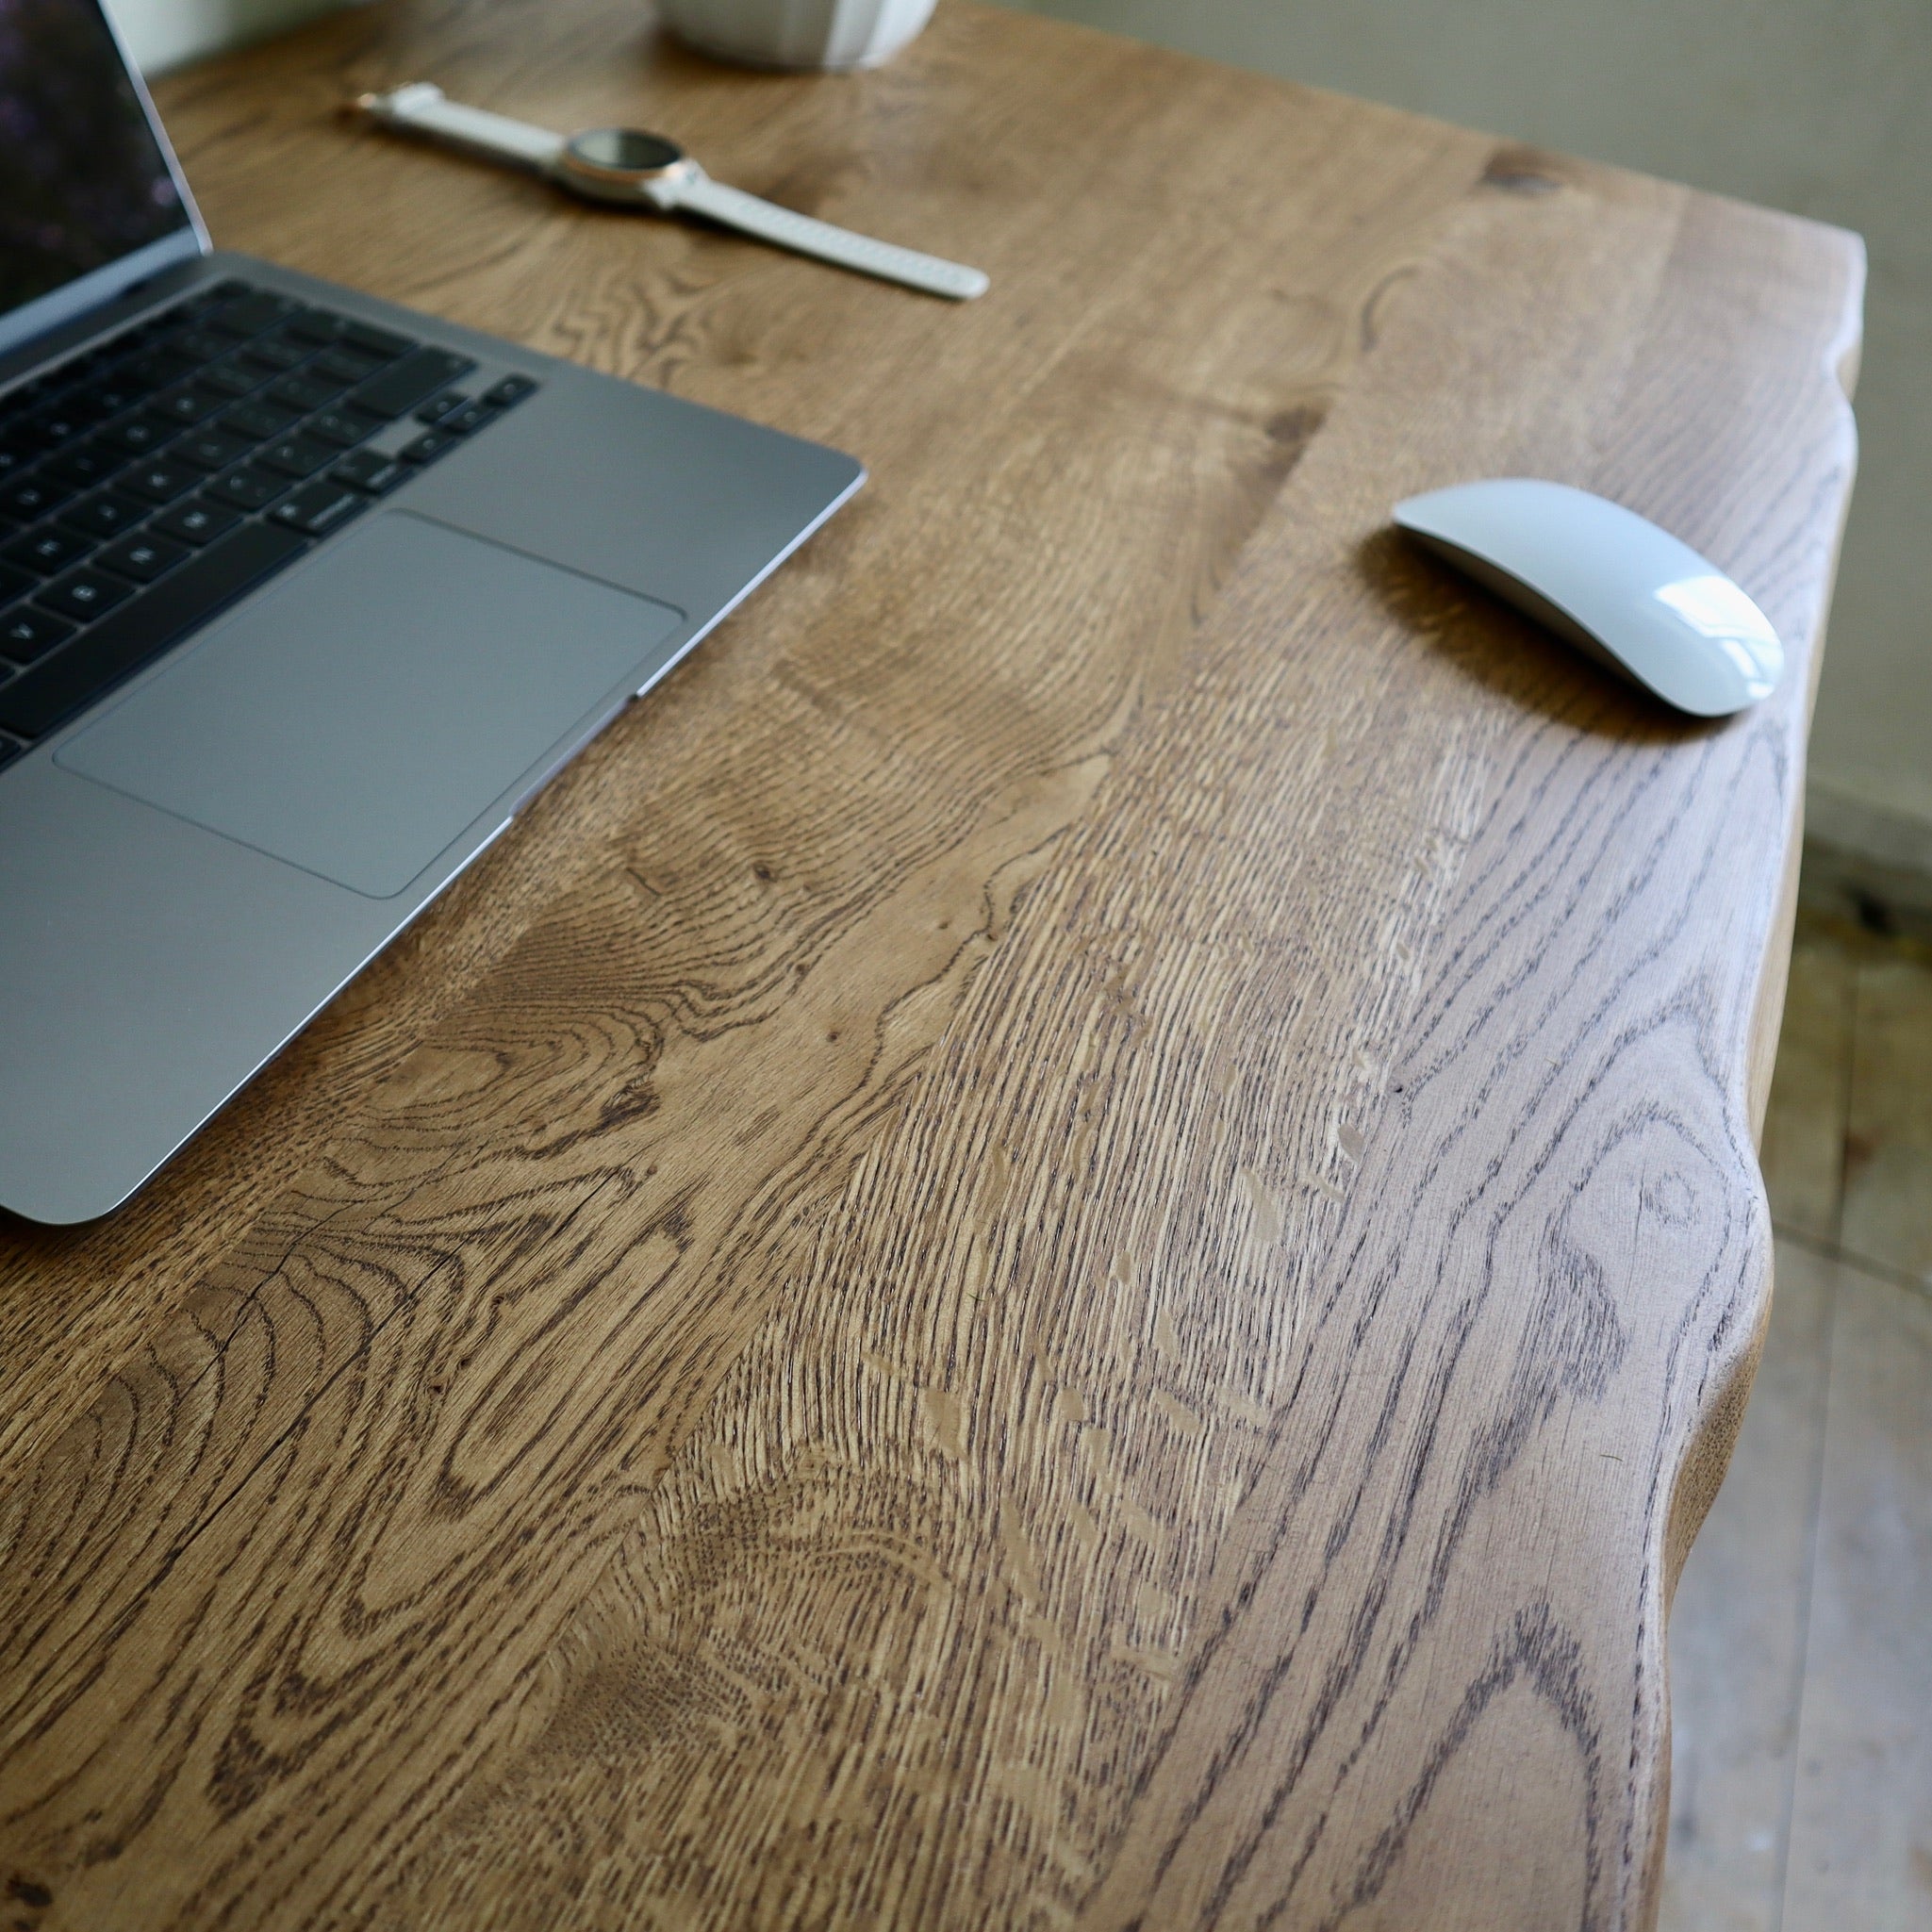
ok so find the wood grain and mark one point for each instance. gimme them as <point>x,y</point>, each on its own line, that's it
<point>1075,1237</point>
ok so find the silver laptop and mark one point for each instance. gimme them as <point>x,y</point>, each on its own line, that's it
<point>302,597</point>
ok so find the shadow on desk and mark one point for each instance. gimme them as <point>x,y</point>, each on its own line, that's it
<point>1505,653</point>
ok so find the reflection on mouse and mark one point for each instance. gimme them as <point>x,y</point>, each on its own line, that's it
<point>1612,584</point>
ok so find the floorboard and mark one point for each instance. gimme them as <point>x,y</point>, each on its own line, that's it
<point>1801,1643</point>
<point>1862,1816</point>
<point>1737,1632</point>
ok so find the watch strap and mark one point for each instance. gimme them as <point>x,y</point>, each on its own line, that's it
<point>701,195</point>
<point>424,109</point>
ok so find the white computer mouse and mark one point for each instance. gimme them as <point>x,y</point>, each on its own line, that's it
<point>1611,582</point>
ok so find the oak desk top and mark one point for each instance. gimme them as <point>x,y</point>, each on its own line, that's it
<point>1074,1237</point>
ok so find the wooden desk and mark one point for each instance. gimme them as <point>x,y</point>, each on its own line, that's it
<point>1074,1238</point>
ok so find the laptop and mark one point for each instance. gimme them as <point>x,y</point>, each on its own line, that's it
<point>303,596</point>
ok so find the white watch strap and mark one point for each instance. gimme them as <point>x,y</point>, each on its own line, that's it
<point>770,222</point>
<point>423,108</point>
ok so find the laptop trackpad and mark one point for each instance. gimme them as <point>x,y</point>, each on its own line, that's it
<point>356,718</point>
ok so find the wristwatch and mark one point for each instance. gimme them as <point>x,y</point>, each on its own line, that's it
<point>627,168</point>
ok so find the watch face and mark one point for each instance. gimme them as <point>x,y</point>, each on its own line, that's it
<point>626,150</point>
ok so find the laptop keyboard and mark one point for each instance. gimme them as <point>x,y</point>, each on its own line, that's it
<point>153,480</point>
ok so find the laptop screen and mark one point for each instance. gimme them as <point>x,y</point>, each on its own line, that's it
<point>83,181</point>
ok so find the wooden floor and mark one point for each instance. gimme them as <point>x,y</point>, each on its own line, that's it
<point>1801,1637</point>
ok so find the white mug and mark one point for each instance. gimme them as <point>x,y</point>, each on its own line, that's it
<point>798,33</point>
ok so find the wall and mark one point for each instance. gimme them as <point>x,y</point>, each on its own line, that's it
<point>1810,105</point>
<point>164,33</point>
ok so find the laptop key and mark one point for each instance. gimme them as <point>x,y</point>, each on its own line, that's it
<point>199,345</point>
<point>140,435</point>
<point>104,515</point>
<point>14,583</point>
<point>231,380</point>
<point>437,407</point>
<point>48,430</point>
<point>302,392</point>
<point>367,339</point>
<point>336,426</point>
<point>32,496</point>
<point>316,507</point>
<point>315,326</point>
<point>275,355</point>
<point>344,366</point>
<point>191,404</point>
<point>83,595</point>
<point>126,639</point>
<point>258,421</point>
<point>250,488</point>
<point>197,523</point>
<point>86,465</point>
<point>114,395</point>
<point>142,558</point>
<point>468,419</point>
<point>61,422</point>
<point>209,449</point>
<point>254,314</point>
<point>160,482</point>
<point>158,368</point>
<point>371,470</point>
<point>412,380</point>
<point>47,549</point>
<point>296,455</point>
<point>509,389</point>
<point>427,447</point>
<point>26,635</point>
